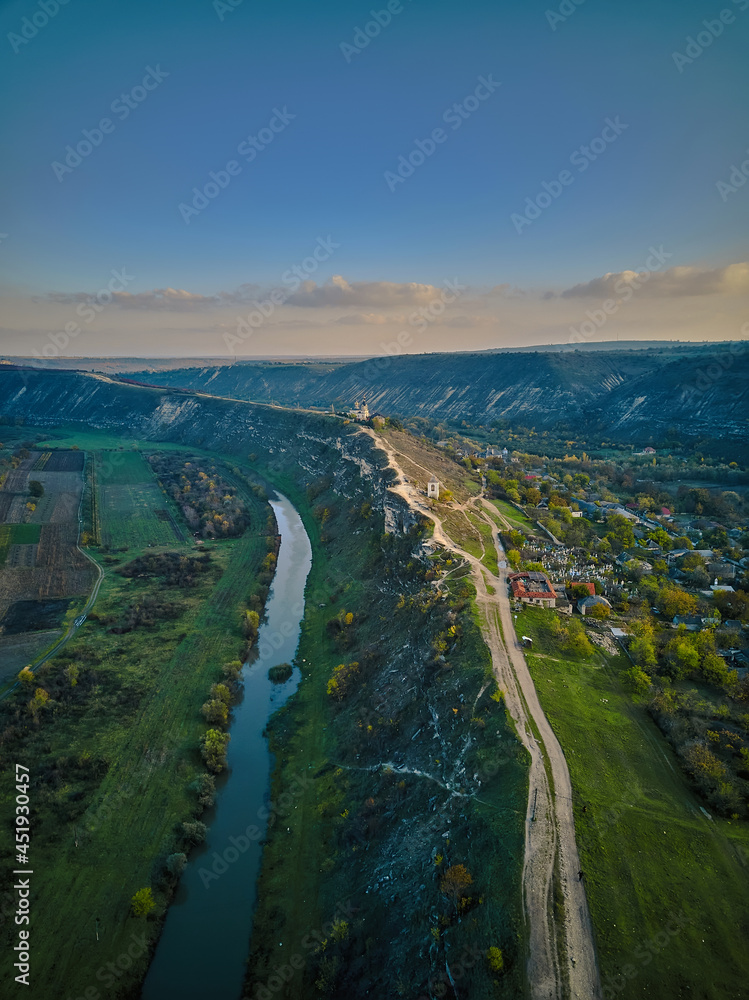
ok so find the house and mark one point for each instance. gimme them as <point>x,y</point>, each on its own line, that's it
<point>433,488</point>
<point>533,588</point>
<point>588,603</point>
<point>576,513</point>
<point>585,583</point>
<point>721,569</point>
<point>692,623</point>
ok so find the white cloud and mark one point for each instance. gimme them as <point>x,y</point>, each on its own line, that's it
<point>383,294</point>
<point>676,281</point>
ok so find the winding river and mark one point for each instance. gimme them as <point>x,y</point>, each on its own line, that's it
<point>205,941</point>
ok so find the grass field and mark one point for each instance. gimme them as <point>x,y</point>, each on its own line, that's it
<point>124,467</point>
<point>128,498</point>
<point>513,514</point>
<point>138,729</point>
<point>668,888</point>
<point>17,534</point>
<point>490,552</point>
<point>463,532</point>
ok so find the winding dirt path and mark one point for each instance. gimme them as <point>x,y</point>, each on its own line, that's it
<point>549,829</point>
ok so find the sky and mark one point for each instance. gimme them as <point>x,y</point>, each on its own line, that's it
<point>200,178</point>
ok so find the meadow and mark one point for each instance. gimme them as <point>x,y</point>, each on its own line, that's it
<point>668,887</point>
<point>129,502</point>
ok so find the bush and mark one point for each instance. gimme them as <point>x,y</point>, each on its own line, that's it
<point>142,902</point>
<point>281,673</point>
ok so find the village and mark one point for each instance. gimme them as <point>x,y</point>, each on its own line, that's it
<point>575,546</point>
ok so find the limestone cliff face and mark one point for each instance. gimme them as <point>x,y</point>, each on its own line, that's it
<point>696,391</point>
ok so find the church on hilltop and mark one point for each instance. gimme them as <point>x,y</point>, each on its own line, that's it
<point>360,412</point>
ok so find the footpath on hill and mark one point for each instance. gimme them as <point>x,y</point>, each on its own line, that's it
<point>562,959</point>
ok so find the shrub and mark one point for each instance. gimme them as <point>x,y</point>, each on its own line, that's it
<point>142,902</point>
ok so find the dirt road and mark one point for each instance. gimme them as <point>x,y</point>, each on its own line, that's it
<point>553,973</point>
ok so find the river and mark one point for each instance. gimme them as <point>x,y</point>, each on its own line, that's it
<point>205,941</point>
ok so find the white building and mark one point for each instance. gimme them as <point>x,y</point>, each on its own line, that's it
<point>433,488</point>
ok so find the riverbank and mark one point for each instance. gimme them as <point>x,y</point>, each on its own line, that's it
<point>212,910</point>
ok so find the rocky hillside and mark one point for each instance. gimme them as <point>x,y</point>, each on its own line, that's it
<point>691,393</point>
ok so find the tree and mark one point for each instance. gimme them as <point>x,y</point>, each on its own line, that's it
<point>26,677</point>
<point>142,902</point>
<point>175,864</point>
<point>600,612</point>
<point>495,958</point>
<point>580,591</point>
<point>35,488</point>
<point>620,532</point>
<point>636,680</point>
<point>454,881</point>
<point>683,656</point>
<point>215,712</point>
<point>733,606</point>
<point>674,601</point>
<point>576,640</point>
<point>213,748</point>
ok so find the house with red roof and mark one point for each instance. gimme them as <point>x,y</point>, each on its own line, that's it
<point>533,588</point>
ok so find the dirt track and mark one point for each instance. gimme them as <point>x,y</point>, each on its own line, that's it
<point>550,829</point>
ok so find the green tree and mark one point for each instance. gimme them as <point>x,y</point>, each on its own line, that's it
<point>636,680</point>
<point>35,488</point>
<point>142,902</point>
<point>495,960</point>
<point>672,601</point>
<point>213,748</point>
<point>620,532</point>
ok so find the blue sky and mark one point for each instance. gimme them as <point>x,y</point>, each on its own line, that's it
<point>226,72</point>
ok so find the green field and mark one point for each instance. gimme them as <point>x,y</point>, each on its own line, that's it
<point>124,467</point>
<point>128,498</point>
<point>113,762</point>
<point>489,558</point>
<point>17,534</point>
<point>668,888</point>
<point>513,514</point>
